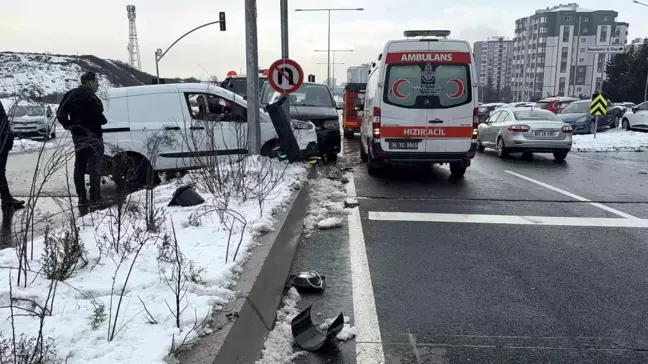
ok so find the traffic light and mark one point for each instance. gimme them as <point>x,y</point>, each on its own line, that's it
<point>221,18</point>
<point>311,78</point>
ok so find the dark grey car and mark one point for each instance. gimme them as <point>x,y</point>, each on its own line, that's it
<point>313,102</point>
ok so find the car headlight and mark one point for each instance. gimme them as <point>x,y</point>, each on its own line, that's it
<point>331,124</point>
<point>300,124</point>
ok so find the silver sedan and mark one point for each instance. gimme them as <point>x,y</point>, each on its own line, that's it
<point>525,130</point>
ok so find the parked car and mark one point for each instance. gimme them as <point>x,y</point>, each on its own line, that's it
<point>518,104</point>
<point>625,106</point>
<point>32,120</point>
<point>555,104</point>
<point>238,84</point>
<point>196,119</point>
<point>636,118</point>
<point>525,130</point>
<point>577,115</point>
<point>314,102</point>
<point>485,110</point>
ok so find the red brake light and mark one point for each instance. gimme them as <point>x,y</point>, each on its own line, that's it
<point>475,122</point>
<point>375,122</point>
<point>519,128</point>
<point>567,129</point>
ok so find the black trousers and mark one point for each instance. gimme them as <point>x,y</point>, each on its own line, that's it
<point>88,157</point>
<point>6,143</point>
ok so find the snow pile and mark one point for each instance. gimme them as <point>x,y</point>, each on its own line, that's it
<point>613,140</point>
<point>278,347</point>
<point>29,145</point>
<point>326,208</point>
<point>213,241</point>
<point>348,331</point>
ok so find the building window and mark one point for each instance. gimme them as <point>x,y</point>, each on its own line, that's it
<point>584,30</point>
<point>565,33</point>
<point>580,79</point>
<point>568,18</point>
<point>579,89</point>
<point>583,40</point>
<point>582,50</point>
<point>581,59</point>
<point>561,79</point>
<point>563,67</point>
<point>605,18</point>
<point>585,20</point>
<point>604,31</point>
<point>542,40</point>
<point>564,51</point>
<point>543,19</point>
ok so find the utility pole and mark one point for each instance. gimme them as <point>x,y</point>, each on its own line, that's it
<point>284,45</point>
<point>252,70</point>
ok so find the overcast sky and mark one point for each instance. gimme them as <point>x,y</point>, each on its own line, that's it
<point>100,27</point>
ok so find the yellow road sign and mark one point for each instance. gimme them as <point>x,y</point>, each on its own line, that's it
<point>599,104</point>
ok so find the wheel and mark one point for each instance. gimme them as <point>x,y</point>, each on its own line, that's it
<point>331,157</point>
<point>348,134</point>
<point>270,149</point>
<point>457,169</point>
<point>502,152</point>
<point>625,124</point>
<point>560,156</point>
<point>132,171</point>
<point>363,155</point>
<point>371,168</point>
<point>480,146</point>
<point>592,128</point>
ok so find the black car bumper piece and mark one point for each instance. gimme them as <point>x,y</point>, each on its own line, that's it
<point>381,157</point>
<point>329,141</point>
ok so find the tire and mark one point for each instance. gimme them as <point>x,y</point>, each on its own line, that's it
<point>592,127</point>
<point>371,169</point>
<point>560,156</point>
<point>269,149</point>
<point>457,169</point>
<point>502,152</point>
<point>615,123</point>
<point>363,155</point>
<point>625,125</point>
<point>131,171</point>
<point>331,157</point>
<point>348,135</point>
<point>480,146</point>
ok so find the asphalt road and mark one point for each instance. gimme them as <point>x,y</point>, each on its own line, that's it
<point>521,261</point>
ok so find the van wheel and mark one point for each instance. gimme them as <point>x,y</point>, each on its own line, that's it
<point>457,169</point>
<point>132,171</point>
<point>371,168</point>
<point>363,155</point>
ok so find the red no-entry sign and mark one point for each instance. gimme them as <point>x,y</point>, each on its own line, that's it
<point>285,76</point>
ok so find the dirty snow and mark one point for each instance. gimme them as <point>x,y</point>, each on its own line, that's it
<point>202,240</point>
<point>330,223</point>
<point>328,194</point>
<point>348,331</point>
<point>29,145</point>
<point>278,347</point>
<point>612,140</point>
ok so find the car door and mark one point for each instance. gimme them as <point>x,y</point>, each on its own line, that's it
<point>498,124</point>
<point>639,118</point>
<point>234,128</point>
<point>486,129</point>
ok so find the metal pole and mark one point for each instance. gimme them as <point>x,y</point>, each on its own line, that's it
<point>333,73</point>
<point>328,68</point>
<point>252,70</point>
<point>284,44</point>
<point>157,69</point>
<point>646,89</point>
<point>595,125</point>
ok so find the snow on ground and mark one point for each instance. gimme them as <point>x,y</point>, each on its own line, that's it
<point>278,347</point>
<point>612,140</point>
<point>328,194</point>
<point>348,331</point>
<point>30,145</point>
<point>80,315</point>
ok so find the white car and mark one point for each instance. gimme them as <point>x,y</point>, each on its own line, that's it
<point>195,119</point>
<point>636,118</point>
<point>32,120</point>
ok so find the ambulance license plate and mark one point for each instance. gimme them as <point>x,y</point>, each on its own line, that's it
<point>404,145</point>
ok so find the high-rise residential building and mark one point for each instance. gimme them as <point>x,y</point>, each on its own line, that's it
<point>550,55</point>
<point>636,44</point>
<point>493,62</point>
<point>358,74</point>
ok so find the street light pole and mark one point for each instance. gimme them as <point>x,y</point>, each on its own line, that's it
<point>329,10</point>
<point>329,51</point>
<point>159,54</point>
<point>333,64</point>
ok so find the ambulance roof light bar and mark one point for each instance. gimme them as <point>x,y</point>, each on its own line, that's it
<point>426,33</point>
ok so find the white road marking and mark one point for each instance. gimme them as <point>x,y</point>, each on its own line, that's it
<point>574,196</point>
<point>508,219</point>
<point>369,349</point>
<point>412,341</point>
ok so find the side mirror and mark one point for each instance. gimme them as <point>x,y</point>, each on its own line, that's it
<point>635,109</point>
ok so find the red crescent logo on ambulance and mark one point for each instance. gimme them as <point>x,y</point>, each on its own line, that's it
<point>395,88</point>
<point>460,88</point>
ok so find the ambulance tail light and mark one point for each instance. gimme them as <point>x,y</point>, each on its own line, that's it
<point>475,122</point>
<point>375,122</point>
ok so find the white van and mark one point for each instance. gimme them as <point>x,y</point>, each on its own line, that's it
<point>421,103</point>
<point>188,121</point>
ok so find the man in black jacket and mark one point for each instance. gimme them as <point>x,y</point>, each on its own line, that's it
<point>6,143</point>
<point>81,112</point>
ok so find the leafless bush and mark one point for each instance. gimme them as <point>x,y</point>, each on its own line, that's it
<point>154,143</point>
<point>179,345</point>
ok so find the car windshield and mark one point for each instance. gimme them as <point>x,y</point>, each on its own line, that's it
<point>309,94</point>
<point>239,84</point>
<point>535,115</point>
<point>20,111</point>
<point>576,108</point>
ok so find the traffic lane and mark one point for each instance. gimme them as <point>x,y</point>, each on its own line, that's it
<point>517,208</point>
<point>603,182</point>
<point>639,210</point>
<point>481,182</point>
<point>327,252</point>
<point>492,280</point>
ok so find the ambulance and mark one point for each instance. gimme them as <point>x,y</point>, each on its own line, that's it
<point>420,104</point>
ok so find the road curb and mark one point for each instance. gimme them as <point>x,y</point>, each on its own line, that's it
<point>243,325</point>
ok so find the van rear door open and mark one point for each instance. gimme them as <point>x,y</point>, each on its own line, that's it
<point>431,87</point>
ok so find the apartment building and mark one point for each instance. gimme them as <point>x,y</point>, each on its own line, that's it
<point>358,74</point>
<point>494,61</point>
<point>550,55</point>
